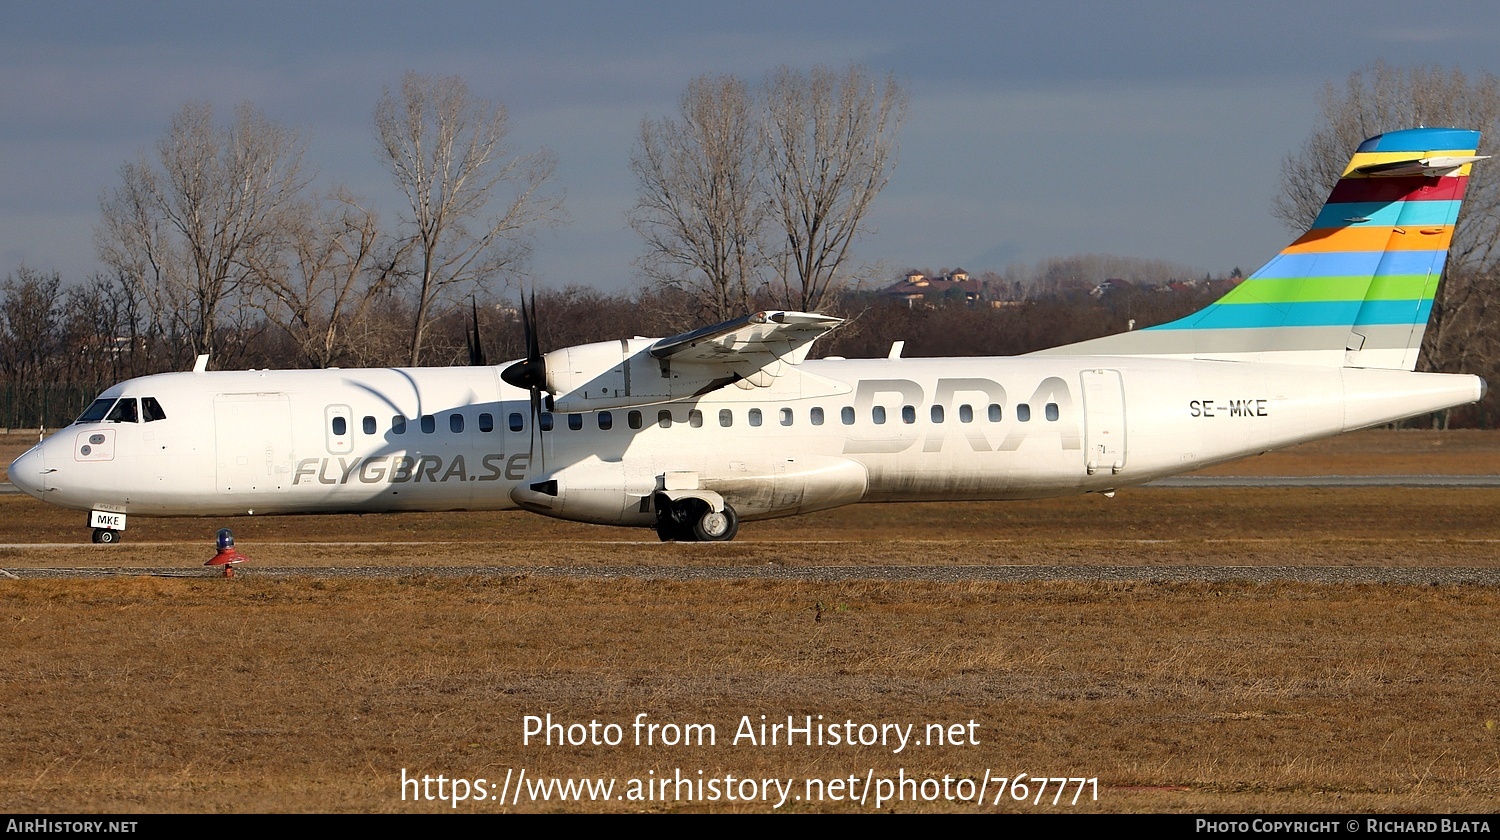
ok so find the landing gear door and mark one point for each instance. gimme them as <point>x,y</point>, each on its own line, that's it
<point>253,442</point>
<point>1104,421</point>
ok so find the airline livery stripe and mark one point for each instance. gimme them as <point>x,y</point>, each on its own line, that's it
<point>1420,140</point>
<point>1348,264</point>
<point>1417,238</point>
<point>1303,314</point>
<point>1404,188</point>
<point>1306,289</point>
<point>1377,214</point>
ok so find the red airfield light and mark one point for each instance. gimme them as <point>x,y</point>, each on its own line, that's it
<point>227,556</point>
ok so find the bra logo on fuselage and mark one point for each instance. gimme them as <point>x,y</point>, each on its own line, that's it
<point>981,433</point>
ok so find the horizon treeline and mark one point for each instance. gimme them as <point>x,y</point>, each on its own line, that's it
<point>61,345</point>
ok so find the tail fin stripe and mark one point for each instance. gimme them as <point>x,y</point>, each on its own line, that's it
<point>1325,313</point>
<point>1358,287</point>
<point>1350,264</point>
<point>1386,214</point>
<point>1373,239</point>
<point>1407,188</point>
<point>1420,140</point>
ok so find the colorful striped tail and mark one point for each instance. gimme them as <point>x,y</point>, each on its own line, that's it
<point>1357,288</point>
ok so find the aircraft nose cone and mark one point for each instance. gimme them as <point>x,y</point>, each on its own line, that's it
<point>27,472</point>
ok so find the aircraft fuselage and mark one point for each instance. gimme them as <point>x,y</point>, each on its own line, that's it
<point>831,432</point>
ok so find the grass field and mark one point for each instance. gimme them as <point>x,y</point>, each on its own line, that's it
<point>147,693</point>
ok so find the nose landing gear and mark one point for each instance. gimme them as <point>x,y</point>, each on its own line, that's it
<point>106,536</point>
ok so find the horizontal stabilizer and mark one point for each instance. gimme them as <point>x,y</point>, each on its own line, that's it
<point>1431,166</point>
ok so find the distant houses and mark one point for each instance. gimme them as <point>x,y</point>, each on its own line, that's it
<point>958,288</point>
<point>953,288</point>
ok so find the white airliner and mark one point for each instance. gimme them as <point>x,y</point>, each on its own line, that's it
<point>691,434</point>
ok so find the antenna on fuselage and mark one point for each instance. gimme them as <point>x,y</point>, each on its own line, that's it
<point>201,364</point>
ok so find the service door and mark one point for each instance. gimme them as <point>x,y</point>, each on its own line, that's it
<point>253,438</point>
<point>1103,421</point>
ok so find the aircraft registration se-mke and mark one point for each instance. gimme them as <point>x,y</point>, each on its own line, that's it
<point>694,433</point>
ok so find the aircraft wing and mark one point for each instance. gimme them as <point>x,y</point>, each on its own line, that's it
<point>754,342</point>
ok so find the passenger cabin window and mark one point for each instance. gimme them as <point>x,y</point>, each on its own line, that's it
<point>546,423</point>
<point>1023,413</point>
<point>633,419</point>
<point>846,414</point>
<point>877,413</point>
<point>96,411</point>
<point>937,414</point>
<point>995,412</point>
<point>456,423</point>
<point>726,417</point>
<point>369,425</point>
<point>664,419</point>
<point>816,416</point>
<point>575,422</point>
<point>515,421</point>
<point>755,417</point>
<point>151,410</point>
<point>429,424</point>
<point>340,426</point>
<point>1051,411</point>
<point>966,414</point>
<point>908,414</point>
<point>398,425</point>
<point>486,423</point>
<point>123,412</point>
<point>786,417</point>
<point>695,418</point>
<point>606,421</point>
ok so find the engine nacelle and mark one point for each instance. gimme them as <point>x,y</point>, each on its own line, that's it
<point>606,374</point>
<point>603,493</point>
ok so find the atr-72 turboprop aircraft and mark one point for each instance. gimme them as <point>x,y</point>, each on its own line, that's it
<point>692,433</point>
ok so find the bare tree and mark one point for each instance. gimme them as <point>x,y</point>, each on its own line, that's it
<point>1461,334</point>
<point>830,144</point>
<point>700,206</point>
<point>323,284</point>
<point>101,331</point>
<point>183,228</point>
<point>445,149</point>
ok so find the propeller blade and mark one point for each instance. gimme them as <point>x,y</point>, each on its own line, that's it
<point>533,341</point>
<point>476,347</point>
<point>531,373</point>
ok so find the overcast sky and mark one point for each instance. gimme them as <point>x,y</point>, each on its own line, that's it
<point>1035,130</point>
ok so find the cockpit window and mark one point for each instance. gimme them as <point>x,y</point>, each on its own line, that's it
<point>96,410</point>
<point>123,412</point>
<point>151,409</point>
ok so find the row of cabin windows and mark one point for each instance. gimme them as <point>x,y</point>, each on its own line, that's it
<point>635,419</point>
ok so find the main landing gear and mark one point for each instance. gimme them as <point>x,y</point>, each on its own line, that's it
<point>694,520</point>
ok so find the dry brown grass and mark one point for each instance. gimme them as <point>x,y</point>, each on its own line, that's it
<point>154,694</point>
<point>304,695</point>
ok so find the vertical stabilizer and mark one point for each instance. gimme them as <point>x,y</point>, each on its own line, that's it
<point>1356,290</point>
